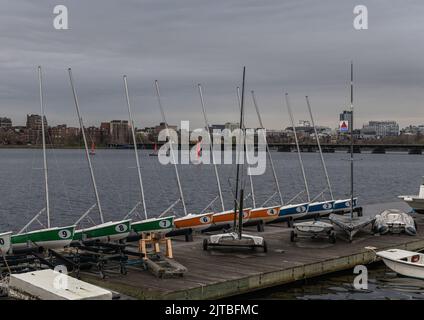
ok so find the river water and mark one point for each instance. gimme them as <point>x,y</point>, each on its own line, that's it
<point>378,178</point>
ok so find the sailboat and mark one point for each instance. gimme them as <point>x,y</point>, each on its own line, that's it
<point>236,238</point>
<point>313,208</point>
<point>190,221</point>
<point>49,237</point>
<point>93,149</point>
<point>106,231</point>
<point>351,223</point>
<point>161,224</point>
<point>340,205</point>
<point>224,217</point>
<point>155,151</point>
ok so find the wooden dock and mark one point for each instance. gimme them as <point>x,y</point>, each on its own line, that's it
<point>219,274</point>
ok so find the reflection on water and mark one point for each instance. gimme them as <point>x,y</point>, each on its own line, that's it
<point>382,284</point>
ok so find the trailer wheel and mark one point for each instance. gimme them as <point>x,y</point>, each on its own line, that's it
<point>332,237</point>
<point>265,247</point>
<point>205,244</point>
<point>292,236</point>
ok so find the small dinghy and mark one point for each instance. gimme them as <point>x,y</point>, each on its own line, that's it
<point>394,221</point>
<point>406,263</point>
<point>313,229</point>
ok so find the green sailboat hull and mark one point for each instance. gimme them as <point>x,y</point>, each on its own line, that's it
<point>109,231</point>
<point>164,224</point>
<point>52,238</point>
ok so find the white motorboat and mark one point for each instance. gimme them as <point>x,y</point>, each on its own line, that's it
<point>406,263</point>
<point>394,221</point>
<point>416,202</point>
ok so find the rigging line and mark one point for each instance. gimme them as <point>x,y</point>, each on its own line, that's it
<point>297,146</point>
<point>54,151</point>
<point>171,147</point>
<point>319,148</point>
<point>277,184</point>
<point>93,180</point>
<point>140,180</point>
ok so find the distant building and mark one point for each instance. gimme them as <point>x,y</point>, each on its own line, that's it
<point>33,124</point>
<point>232,126</point>
<point>217,127</point>
<point>119,132</point>
<point>382,128</point>
<point>5,122</point>
<point>346,116</point>
<point>162,126</point>
<point>413,130</point>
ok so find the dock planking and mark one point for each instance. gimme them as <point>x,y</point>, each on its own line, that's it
<point>223,273</point>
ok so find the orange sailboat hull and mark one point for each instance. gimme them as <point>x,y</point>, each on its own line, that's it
<point>228,217</point>
<point>265,214</point>
<point>194,221</point>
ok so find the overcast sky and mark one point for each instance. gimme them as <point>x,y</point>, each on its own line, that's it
<point>299,46</point>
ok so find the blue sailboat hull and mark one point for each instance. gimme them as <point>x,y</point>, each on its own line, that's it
<point>344,204</point>
<point>321,208</point>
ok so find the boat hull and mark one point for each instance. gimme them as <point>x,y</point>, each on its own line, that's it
<point>416,203</point>
<point>264,214</point>
<point>293,211</point>
<point>407,270</point>
<point>406,263</point>
<point>196,222</point>
<point>109,231</point>
<point>320,208</point>
<point>226,217</point>
<point>313,227</point>
<point>164,225</point>
<point>52,238</point>
<point>5,242</point>
<point>343,205</point>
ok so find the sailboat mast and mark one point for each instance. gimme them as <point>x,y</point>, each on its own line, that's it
<point>87,155</point>
<point>140,180</point>
<point>297,146</point>
<point>319,148</point>
<point>171,148</point>
<point>240,217</point>
<point>267,149</point>
<point>211,146</point>
<point>243,137</point>
<point>43,134</point>
<point>351,139</point>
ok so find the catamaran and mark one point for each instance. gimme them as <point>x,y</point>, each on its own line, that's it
<point>161,224</point>
<point>313,208</point>
<point>236,238</point>
<point>49,237</point>
<point>106,231</point>
<point>190,221</point>
<point>340,205</point>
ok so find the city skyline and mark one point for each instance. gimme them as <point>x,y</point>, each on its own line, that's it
<point>309,46</point>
